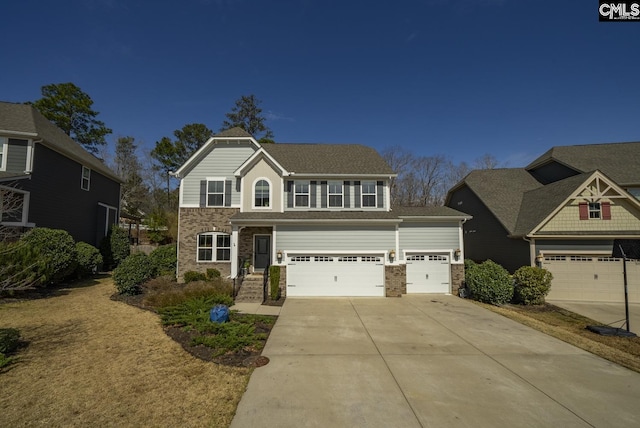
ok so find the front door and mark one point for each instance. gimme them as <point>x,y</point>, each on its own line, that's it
<point>261,252</point>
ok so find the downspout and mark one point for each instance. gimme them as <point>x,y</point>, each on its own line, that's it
<point>532,250</point>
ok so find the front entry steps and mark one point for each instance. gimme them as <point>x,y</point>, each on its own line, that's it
<point>251,290</point>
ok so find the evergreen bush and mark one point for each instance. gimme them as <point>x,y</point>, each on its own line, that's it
<point>57,253</point>
<point>9,340</point>
<point>192,275</point>
<point>132,272</point>
<point>164,259</point>
<point>212,274</point>
<point>115,247</point>
<point>89,259</point>
<point>489,282</point>
<point>20,266</point>
<point>531,285</point>
<point>274,280</point>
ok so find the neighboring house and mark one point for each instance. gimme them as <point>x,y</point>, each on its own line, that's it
<point>319,211</point>
<point>59,184</point>
<point>563,212</point>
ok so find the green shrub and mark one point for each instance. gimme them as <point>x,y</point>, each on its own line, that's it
<point>212,274</point>
<point>57,253</point>
<point>274,282</point>
<point>192,275</point>
<point>20,266</point>
<point>468,264</point>
<point>489,282</point>
<point>89,259</point>
<point>230,337</point>
<point>115,247</point>
<point>531,285</point>
<point>194,311</point>
<point>132,272</point>
<point>9,340</point>
<point>164,259</point>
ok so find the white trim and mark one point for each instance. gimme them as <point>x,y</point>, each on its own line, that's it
<point>375,194</point>
<point>30,152</point>
<point>575,252</point>
<point>253,159</point>
<point>206,192</point>
<point>335,194</point>
<point>253,193</point>
<point>302,182</point>
<point>82,179</point>
<point>4,142</point>
<point>106,219</point>
<point>448,252</point>
<point>18,133</point>
<point>25,207</point>
<point>214,247</point>
<point>234,252</point>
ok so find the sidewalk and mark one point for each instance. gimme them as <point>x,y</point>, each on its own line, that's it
<point>256,308</point>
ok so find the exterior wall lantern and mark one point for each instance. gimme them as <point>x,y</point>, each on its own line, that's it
<point>539,259</point>
<point>392,255</point>
<point>456,253</point>
<point>279,256</point>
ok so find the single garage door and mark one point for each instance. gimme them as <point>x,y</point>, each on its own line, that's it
<point>335,275</point>
<point>428,273</point>
<point>586,278</point>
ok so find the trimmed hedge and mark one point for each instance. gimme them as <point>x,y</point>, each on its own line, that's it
<point>531,285</point>
<point>489,282</point>
<point>89,259</point>
<point>165,259</point>
<point>57,253</point>
<point>115,247</point>
<point>132,272</point>
<point>274,279</point>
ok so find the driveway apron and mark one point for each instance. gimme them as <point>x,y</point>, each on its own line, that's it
<point>427,361</point>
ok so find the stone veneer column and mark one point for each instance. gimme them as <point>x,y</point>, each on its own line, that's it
<point>395,280</point>
<point>194,221</point>
<point>457,276</point>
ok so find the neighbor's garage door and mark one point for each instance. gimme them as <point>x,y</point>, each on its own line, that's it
<point>591,278</point>
<point>428,273</point>
<point>335,275</point>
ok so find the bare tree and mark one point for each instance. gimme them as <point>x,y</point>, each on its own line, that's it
<point>486,161</point>
<point>11,206</point>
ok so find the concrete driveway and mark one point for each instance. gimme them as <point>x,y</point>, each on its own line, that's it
<point>427,361</point>
<point>606,313</point>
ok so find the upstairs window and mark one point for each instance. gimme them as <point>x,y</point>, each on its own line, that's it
<point>261,192</point>
<point>335,194</point>
<point>594,210</point>
<point>301,194</point>
<point>214,247</point>
<point>368,194</point>
<point>215,193</point>
<point>85,183</point>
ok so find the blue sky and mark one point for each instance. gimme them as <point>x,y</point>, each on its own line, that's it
<point>456,77</point>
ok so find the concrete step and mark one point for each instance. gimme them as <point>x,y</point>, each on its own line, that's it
<point>251,290</point>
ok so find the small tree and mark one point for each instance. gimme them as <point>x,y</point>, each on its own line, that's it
<point>247,114</point>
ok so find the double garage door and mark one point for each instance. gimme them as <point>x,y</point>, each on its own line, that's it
<point>362,275</point>
<point>592,278</point>
<point>335,275</point>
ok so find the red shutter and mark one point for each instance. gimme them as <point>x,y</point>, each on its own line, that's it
<point>606,210</point>
<point>584,211</point>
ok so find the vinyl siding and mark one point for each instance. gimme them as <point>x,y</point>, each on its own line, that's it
<point>428,236</point>
<point>335,238</point>
<point>222,161</point>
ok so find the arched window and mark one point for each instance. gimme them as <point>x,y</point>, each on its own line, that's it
<point>261,194</point>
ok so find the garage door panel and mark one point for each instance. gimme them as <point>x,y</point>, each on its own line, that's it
<point>428,273</point>
<point>590,278</point>
<point>335,275</point>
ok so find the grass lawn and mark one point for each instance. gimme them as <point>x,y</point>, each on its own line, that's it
<point>571,328</point>
<point>92,361</point>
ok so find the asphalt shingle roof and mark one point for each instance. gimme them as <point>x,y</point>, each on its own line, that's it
<point>234,132</point>
<point>26,119</point>
<point>395,214</point>
<point>619,161</point>
<point>345,159</point>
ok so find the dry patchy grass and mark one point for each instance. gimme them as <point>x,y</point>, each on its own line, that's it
<point>92,361</point>
<point>571,328</point>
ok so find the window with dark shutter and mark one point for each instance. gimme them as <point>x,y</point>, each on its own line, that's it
<point>584,211</point>
<point>606,210</point>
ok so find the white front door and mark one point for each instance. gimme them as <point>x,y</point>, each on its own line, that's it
<point>335,275</point>
<point>428,273</point>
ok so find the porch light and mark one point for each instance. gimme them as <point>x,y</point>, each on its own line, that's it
<point>539,259</point>
<point>279,256</point>
<point>392,255</point>
<point>457,253</point>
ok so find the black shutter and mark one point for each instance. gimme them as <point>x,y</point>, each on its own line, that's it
<point>313,194</point>
<point>203,193</point>
<point>289,194</point>
<point>356,203</point>
<point>323,194</point>
<point>238,185</point>
<point>380,190</point>
<point>347,194</point>
<point>227,193</point>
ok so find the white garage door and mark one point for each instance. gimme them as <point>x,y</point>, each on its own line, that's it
<point>428,273</point>
<point>335,275</point>
<point>590,278</point>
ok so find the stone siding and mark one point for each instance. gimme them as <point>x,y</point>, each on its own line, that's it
<point>457,277</point>
<point>395,280</point>
<point>194,221</point>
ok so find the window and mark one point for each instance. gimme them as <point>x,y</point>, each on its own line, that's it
<point>594,210</point>
<point>261,194</point>
<point>368,194</point>
<point>214,247</point>
<point>335,194</point>
<point>215,193</point>
<point>301,194</point>
<point>13,206</point>
<point>86,178</point>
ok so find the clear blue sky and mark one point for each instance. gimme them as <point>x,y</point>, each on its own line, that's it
<point>455,77</point>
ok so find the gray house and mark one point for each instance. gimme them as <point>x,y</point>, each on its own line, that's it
<point>562,212</point>
<point>319,211</point>
<point>58,184</point>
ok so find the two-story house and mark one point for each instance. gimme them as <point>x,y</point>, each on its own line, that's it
<point>56,182</point>
<point>562,212</point>
<point>319,211</point>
